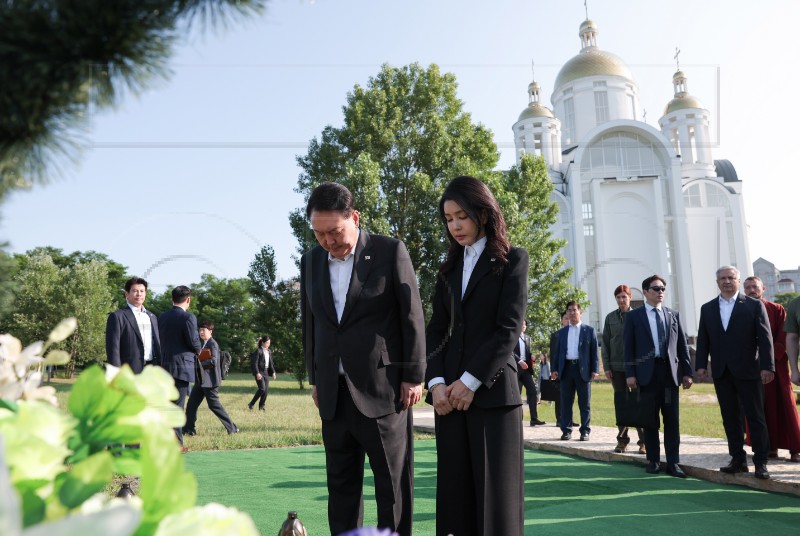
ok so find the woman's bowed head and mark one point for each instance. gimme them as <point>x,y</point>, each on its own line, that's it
<point>470,212</point>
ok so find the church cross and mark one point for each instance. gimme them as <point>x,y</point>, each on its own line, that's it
<point>677,60</point>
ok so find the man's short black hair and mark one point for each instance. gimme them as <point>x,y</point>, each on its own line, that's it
<point>208,324</point>
<point>330,196</point>
<point>655,277</point>
<point>180,294</point>
<point>135,280</point>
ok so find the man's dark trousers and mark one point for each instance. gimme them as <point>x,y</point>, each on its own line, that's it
<point>342,436</point>
<point>572,383</point>
<point>666,397</point>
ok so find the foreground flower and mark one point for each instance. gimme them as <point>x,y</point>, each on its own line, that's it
<point>211,519</point>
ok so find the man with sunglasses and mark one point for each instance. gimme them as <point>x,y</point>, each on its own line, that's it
<point>657,362</point>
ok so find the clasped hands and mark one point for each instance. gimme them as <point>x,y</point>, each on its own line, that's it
<point>455,396</point>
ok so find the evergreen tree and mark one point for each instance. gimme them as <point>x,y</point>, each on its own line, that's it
<point>61,60</point>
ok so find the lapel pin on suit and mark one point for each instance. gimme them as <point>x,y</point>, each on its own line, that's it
<point>367,257</point>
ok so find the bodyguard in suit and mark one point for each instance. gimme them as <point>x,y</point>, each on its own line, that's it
<point>363,339</point>
<point>576,365</point>
<point>735,332</point>
<point>180,344</point>
<point>208,377</point>
<point>132,332</point>
<point>522,351</point>
<point>263,369</point>
<point>657,361</point>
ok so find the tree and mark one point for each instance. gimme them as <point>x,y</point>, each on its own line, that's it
<point>785,297</point>
<point>7,284</point>
<point>47,294</point>
<point>524,196</point>
<point>61,61</point>
<point>278,313</point>
<point>404,137</point>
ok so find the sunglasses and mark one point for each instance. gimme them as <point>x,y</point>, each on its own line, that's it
<point>658,289</point>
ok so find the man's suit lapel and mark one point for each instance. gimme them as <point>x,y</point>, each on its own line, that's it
<point>323,279</point>
<point>739,307</point>
<point>482,268</point>
<point>131,319</point>
<point>362,263</point>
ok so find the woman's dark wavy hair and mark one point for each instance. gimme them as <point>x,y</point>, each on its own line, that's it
<point>475,198</point>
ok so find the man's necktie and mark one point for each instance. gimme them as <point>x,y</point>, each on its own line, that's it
<point>662,334</point>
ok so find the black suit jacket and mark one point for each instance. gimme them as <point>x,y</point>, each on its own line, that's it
<point>124,341</point>
<point>258,363</point>
<point>211,377</point>
<point>180,343</point>
<point>528,358</point>
<point>640,349</point>
<point>485,323</point>
<point>380,337</point>
<point>745,348</point>
<point>588,360</point>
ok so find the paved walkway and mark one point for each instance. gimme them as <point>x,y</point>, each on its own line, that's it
<point>701,457</point>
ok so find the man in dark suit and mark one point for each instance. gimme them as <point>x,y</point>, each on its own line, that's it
<point>522,351</point>
<point>735,331</point>
<point>364,345</point>
<point>576,365</point>
<point>132,332</point>
<point>208,377</point>
<point>551,358</point>
<point>657,361</point>
<point>179,344</point>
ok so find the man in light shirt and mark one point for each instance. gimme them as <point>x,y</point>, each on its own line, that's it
<point>735,332</point>
<point>132,332</point>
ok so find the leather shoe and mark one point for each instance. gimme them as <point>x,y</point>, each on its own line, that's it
<point>189,432</point>
<point>261,408</point>
<point>234,431</point>
<point>773,454</point>
<point>673,469</point>
<point>249,407</point>
<point>653,468</point>
<point>537,422</point>
<point>642,448</point>
<point>735,466</point>
<point>584,437</point>
<point>566,436</point>
<point>761,471</point>
<point>794,457</point>
<point>575,425</point>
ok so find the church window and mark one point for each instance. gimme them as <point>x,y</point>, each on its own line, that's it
<point>587,211</point>
<point>692,196</point>
<point>588,229</point>
<point>569,121</point>
<point>622,154</point>
<point>601,106</point>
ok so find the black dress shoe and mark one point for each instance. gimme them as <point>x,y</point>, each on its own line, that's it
<point>566,436</point>
<point>673,469</point>
<point>761,471</point>
<point>261,408</point>
<point>234,431</point>
<point>190,432</point>
<point>653,468</point>
<point>250,407</point>
<point>537,422</point>
<point>735,466</point>
<point>584,437</point>
<point>575,425</point>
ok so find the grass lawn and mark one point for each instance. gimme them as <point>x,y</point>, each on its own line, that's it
<point>292,420</point>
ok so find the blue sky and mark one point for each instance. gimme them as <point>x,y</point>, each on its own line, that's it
<point>197,173</point>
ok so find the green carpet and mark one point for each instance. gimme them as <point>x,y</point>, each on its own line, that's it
<point>563,495</point>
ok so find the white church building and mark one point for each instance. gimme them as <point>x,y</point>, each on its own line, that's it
<point>634,200</point>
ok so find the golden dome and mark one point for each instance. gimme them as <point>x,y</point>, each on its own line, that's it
<point>535,109</point>
<point>592,62</point>
<point>682,103</point>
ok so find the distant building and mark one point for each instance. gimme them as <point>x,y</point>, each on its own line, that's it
<point>776,281</point>
<point>634,200</point>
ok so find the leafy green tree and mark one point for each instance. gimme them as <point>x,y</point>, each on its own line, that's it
<point>8,269</point>
<point>62,60</point>
<point>785,297</point>
<point>405,135</point>
<point>47,294</point>
<point>278,313</point>
<point>524,196</point>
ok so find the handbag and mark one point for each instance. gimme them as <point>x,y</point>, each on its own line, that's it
<point>550,390</point>
<point>636,409</point>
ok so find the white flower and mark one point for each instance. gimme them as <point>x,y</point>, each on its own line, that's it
<point>210,520</point>
<point>63,330</point>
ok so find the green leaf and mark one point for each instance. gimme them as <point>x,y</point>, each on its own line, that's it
<point>83,400</point>
<point>33,508</point>
<point>84,479</point>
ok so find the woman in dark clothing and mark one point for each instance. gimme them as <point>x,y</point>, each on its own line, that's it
<point>263,369</point>
<point>478,308</point>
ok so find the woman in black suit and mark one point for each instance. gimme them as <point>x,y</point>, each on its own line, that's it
<point>263,369</point>
<point>478,308</point>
